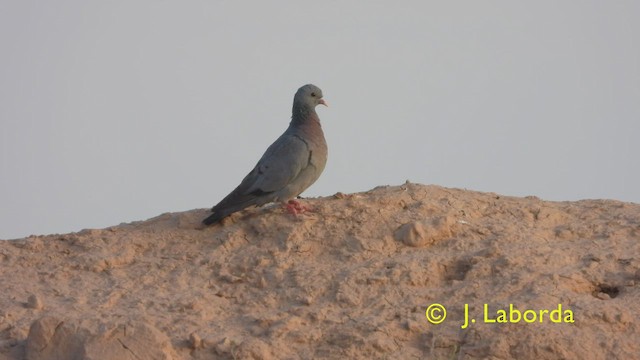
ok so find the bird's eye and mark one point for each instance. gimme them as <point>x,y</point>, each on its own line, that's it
<point>313,94</point>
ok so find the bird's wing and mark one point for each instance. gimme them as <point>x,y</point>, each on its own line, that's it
<point>278,167</point>
<point>281,164</point>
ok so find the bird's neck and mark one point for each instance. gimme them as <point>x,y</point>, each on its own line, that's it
<point>303,115</point>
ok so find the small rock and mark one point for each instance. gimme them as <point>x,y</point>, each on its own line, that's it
<point>53,338</point>
<point>413,326</point>
<point>307,300</point>
<point>339,195</point>
<point>226,346</point>
<point>195,341</point>
<point>426,232</point>
<point>34,302</point>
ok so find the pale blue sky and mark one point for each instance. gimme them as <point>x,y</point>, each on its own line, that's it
<point>118,111</point>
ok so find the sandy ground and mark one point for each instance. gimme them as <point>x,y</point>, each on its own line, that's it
<point>352,280</point>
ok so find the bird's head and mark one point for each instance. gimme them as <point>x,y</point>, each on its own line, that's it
<point>309,96</point>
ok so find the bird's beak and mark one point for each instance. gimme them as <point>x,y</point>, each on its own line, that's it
<point>321,101</point>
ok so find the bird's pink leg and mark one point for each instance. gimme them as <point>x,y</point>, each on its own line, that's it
<point>295,207</point>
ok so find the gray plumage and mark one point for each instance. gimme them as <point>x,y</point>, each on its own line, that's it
<point>289,166</point>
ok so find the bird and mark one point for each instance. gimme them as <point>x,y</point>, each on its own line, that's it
<point>288,167</point>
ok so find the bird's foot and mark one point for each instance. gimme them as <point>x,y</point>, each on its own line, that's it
<point>295,207</point>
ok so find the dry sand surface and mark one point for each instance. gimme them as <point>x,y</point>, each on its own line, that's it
<point>352,280</point>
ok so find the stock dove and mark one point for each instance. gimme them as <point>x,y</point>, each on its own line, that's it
<point>288,167</point>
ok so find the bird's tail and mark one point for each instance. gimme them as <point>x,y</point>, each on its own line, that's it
<point>233,203</point>
<point>214,218</point>
<point>220,213</point>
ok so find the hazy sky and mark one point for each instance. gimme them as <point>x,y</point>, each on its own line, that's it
<point>116,111</point>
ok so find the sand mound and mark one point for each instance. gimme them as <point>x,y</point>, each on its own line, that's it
<point>542,280</point>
